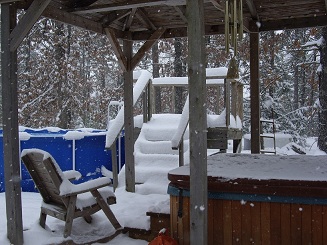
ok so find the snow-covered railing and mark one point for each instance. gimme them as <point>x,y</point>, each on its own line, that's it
<point>177,142</point>
<point>115,126</point>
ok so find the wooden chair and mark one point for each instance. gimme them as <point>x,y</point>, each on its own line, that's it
<point>63,199</point>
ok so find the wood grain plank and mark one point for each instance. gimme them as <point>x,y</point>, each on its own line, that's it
<point>181,221</point>
<point>285,213</point>
<point>296,224</point>
<point>324,224</point>
<point>237,222</point>
<point>186,220</point>
<point>246,224</point>
<point>228,229</point>
<point>218,235</point>
<point>211,217</point>
<point>173,217</point>
<point>265,223</point>
<point>306,224</point>
<point>316,211</point>
<point>275,223</point>
<point>255,222</point>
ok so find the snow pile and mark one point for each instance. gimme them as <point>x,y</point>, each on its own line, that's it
<point>154,156</point>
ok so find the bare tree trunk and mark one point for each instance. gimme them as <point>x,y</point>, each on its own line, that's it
<point>322,137</point>
<point>179,72</point>
<point>296,88</point>
<point>65,113</point>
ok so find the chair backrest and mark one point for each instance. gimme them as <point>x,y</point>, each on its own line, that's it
<point>46,175</point>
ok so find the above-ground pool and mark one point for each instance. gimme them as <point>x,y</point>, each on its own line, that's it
<point>82,150</point>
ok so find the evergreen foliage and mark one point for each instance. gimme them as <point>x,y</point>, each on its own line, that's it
<point>68,76</point>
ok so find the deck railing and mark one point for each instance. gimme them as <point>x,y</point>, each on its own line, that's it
<point>141,87</point>
<point>177,142</point>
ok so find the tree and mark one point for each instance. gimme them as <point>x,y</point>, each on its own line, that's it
<point>180,71</point>
<point>322,136</point>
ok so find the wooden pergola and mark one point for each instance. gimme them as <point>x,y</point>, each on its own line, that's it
<point>147,20</point>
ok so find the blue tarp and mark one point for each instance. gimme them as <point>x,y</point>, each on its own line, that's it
<point>85,154</point>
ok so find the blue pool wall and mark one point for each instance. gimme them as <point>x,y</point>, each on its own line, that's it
<point>82,150</point>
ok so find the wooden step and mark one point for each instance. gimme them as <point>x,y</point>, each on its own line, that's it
<point>158,221</point>
<point>137,233</point>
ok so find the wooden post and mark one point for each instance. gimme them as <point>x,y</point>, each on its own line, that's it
<point>227,100</point>
<point>255,91</point>
<point>145,105</point>
<point>240,100</point>
<point>198,123</point>
<point>150,99</point>
<point>129,118</point>
<point>181,153</point>
<point>173,99</point>
<point>114,166</point>
<point>10,127</point>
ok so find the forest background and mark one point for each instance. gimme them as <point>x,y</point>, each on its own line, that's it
<point>67,76</point>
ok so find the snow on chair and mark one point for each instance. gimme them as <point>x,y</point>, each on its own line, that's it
<point>63,199</point>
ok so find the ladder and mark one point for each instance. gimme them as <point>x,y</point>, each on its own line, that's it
<point>267,135</point>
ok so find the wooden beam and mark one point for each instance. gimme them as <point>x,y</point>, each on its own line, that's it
<point>252,9</point>
<point>181,12</point>
<point>293,23</point>
<point>326,4</point>
<point>9,1</point>
<point>129,118</point>
<point>254,91</point>
<point>113,17</point>
<point>176,32</point>
<point>218,5</point>
<point>122,60</point>
<point>146,46</point>
<point>10,127</point>
<point>26,23</point>
<point>140,14</point>
<point>127,5</point>
<point>129,20</point>
<point>197,123</point>
<point>72,19</point>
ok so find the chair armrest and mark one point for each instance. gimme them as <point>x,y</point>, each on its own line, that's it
<point>69,189</point>
<point>72,174</point>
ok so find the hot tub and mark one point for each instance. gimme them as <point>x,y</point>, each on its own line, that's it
<point>256,199</point>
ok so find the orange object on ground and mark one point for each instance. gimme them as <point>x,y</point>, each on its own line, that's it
<point>163,239</point>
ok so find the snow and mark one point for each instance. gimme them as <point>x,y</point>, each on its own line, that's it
<point>116,125</point>
<point>74,135</point>
<point>211,73</point>
<point>151,195</point>
<point>181,81</point>
<point>24,136</point>
<point>264,167</point>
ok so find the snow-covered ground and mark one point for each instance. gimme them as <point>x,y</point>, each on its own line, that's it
<point>130,211</point>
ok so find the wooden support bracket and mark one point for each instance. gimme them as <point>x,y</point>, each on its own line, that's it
<point>26,23</point>
<point>146,46</point>
<point>122,60</point>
